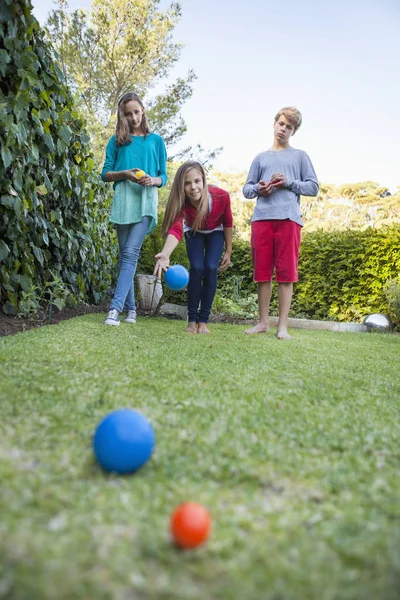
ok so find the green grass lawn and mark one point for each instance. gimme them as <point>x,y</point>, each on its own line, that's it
<point>292,446</point>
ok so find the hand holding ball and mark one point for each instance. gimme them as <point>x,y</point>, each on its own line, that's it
<point>139,174</point>
<point>176,278</point>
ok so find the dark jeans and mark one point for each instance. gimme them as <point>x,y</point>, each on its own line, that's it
<point>204,251</point>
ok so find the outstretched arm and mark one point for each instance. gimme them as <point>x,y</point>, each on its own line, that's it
<point>162,262</point>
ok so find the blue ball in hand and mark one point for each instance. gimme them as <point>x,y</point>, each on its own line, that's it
<point>124,440</point>
<point>176,277</point>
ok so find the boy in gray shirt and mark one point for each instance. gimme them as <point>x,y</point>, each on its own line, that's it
<point>277,178</point>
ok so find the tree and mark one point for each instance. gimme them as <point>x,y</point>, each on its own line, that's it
<point>365,192</point>
<point>242,209</point>
<point>350,206</point>
<point>119,46</point>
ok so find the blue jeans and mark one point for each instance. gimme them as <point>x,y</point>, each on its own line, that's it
<point>204,251</point>
<point>130,240</point>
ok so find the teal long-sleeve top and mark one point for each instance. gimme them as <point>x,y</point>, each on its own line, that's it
<point>132,201</point>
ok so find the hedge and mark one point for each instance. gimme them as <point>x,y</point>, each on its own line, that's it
<point>55,240</point>
<point>342,274</point>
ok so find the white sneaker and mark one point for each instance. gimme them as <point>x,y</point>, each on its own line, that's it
<point>130,317</point>
<point>112,318</point>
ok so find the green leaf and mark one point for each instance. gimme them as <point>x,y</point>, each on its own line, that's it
<point>45,97</point>
<point>41,190</point>
<point>38,123</point>
<point>6,156</point>
<point>44,115</point>
<point>58,71</point>
<point>11,202</point>
<point>4,250</point>
<point>25,282</point>
<point>48,140</point>
<point>49,81</point>
<point>34,151</point>
<point>61,147</point>
<point>9,309</point>
<point>4,61</point>
<point>5,13</point>
<point>38,254</point>
<point>60,303</point>
<point>65,134</point>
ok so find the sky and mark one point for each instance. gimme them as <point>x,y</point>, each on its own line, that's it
<point>336,61</point>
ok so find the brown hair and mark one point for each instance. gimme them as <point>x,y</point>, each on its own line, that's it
<point>176,199</point>
<point>293,116</point>
<point>123,130</point>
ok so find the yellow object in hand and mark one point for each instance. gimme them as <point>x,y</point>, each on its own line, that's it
<point>140,174</point>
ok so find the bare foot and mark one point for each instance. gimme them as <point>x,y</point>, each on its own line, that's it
<point>282,334</point>
<point>203,328</point>
<point>192,327</point>
<point>259,328</point>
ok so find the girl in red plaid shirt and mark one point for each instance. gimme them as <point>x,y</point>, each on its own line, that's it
<point>201,213</point>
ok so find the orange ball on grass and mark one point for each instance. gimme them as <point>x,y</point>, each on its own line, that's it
<point>190,525</point>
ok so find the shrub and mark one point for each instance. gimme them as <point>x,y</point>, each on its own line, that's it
<point>241,308</point>
<point>55,238</point>
<point>342,274</point>
<point>392,294</point>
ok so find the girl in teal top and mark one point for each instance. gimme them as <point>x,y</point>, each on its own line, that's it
<point>136,162</point>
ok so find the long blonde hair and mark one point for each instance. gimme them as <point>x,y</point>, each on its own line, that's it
<point>176,200</point>
<point>123,130</point>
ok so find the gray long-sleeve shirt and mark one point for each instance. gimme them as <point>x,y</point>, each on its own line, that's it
<point>283,203</point>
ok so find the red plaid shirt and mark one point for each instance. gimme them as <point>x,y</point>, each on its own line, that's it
<point>220,214</point>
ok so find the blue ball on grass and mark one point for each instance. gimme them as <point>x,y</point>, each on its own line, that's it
<point>176,277</point>
<point>124,441</point>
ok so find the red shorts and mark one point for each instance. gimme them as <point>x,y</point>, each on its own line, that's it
<point>275,245</point>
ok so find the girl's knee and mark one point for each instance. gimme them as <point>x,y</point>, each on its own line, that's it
<point>196,269</point>
<point>130,254</point>
<point>210,270</point>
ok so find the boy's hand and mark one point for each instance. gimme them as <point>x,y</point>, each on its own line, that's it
<point>162,264</point>
<point>225,262</point>
<point>278,180</point>
<point>265,188</point>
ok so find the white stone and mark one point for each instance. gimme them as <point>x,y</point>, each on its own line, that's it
<point>149,297</point>
<point>174,310</point>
